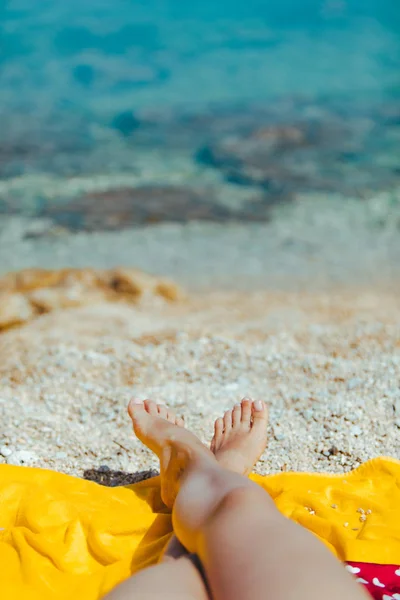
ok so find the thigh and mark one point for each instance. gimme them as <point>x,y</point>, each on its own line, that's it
<point>251,552</point>
<point>175,579</point>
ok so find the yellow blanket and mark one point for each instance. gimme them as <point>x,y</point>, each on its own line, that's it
<point>63,537</point>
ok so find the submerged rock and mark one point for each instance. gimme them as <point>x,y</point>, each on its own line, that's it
<point>126,207</point>
<point>125,122</point>
<point>84,74</point>
<point>306,149</point>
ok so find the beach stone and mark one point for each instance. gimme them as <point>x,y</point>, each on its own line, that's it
<point>21,458</point>
<point>15,309</point>
<point>354,383</point>
<point>356,430</point>
<point>26,294</point>
<point>61,455</point>
<point>308,414</point>
<point>134,283</point>
<point>5,451</point>
<point>49,299</point>
<point>104,469</point>
<point>31,279</point>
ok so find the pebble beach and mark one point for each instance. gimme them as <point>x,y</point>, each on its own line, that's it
<point>323,350</point>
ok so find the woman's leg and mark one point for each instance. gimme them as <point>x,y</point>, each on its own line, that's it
<point>178,579</point>
<point>248,549</point>
<point>177,576</point>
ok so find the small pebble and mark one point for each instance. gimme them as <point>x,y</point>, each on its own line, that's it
<point>104,469</point>
<point>22,457</point>
<point>5,451</point>
<point>356,430</point>
<point>353,383</point>
<point>363,518</point>
<point>308,414</point>
<point>232,387</point>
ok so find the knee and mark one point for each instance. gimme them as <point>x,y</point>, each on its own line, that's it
<point>243,515</point>
<point>247,498</point>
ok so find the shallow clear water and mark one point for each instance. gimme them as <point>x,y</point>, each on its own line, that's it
<point>150,88</point>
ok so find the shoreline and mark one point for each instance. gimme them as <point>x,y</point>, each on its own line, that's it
<point>316,242</point>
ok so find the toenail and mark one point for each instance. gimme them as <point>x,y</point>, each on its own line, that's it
<point>237,405</point>
<point>258,405</point>
<point>246,399</point>
<point>137,401</point>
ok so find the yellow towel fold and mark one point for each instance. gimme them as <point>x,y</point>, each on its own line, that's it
<point>63,537</point>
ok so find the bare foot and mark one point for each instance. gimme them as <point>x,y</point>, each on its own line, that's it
<point>240,437</point>
<point>160,430</point>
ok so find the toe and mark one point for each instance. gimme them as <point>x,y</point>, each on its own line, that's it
<point>151,407</point>
<point>259,413</point>
<point>162,411</point>
<point>134,407</point>
<point>218,432</point>
<point>140,418</point>
<point>236,415</point>
<point>246,410</point>
<point>171,416</point>
<point>180,422</point>
<point>227,421</point>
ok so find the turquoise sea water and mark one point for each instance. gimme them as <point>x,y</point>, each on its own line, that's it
<point>128,53</point>
<point>100,87</point>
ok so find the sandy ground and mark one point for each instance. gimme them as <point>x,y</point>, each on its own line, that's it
<point>327,363</point>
